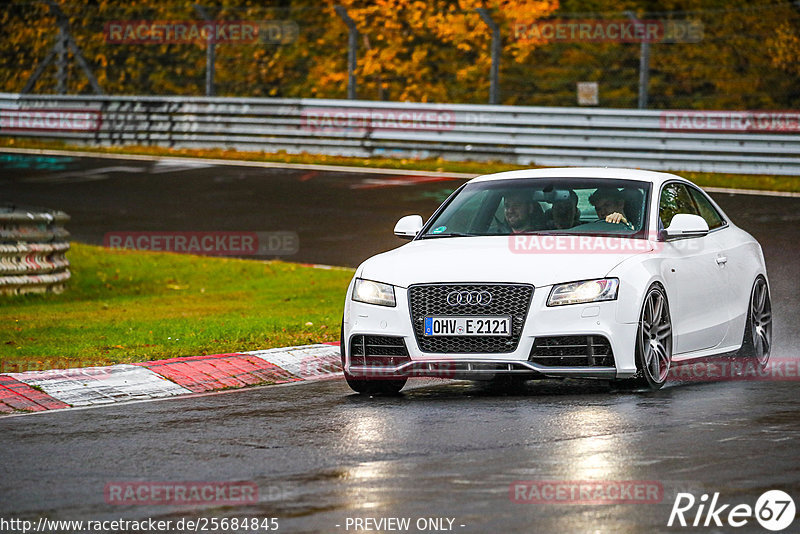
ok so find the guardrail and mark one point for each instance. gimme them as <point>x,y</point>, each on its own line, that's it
<point>710,141</point>
<point>33,244</point>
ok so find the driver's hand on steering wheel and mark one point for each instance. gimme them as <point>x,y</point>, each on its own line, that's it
<point>616,218</point>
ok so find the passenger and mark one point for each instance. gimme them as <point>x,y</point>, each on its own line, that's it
<point>564,213</point>
<point>609,203</point>
<point>522,213</point>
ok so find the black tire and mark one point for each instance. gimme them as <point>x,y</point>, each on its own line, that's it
<point>757,341</point>
<point>369,386</point>
<point>653,342</point>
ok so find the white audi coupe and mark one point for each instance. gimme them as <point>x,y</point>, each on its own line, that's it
<point>572,272</point>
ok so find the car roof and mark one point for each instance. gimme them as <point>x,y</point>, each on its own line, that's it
<point>582,172</point>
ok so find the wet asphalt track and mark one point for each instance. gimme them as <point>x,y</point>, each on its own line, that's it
<point>444,449</point>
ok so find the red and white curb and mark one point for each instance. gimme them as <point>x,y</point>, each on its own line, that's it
<point>35,391</point>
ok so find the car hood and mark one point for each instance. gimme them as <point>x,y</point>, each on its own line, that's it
<point>537,260</point>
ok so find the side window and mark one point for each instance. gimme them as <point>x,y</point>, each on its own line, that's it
<point>707,210</point>
<point>675,199</point>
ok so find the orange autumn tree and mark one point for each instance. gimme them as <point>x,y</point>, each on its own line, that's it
<point>436,51</point>
<point>408,50</point>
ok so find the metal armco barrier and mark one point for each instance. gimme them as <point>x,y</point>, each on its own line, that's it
<point>33,243</point>
<point>711,141</point>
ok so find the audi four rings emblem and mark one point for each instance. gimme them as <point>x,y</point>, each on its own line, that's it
<point>455,298</point>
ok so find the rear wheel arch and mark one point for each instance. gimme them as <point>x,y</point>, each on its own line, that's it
<point>757,336</point>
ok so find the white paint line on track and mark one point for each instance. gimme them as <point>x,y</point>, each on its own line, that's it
<point>176,160</point>
<point>323,266</point>
<point>101,385</point>
<point>200,162</point>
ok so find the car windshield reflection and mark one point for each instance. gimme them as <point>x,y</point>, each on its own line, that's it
<point>605,207</point>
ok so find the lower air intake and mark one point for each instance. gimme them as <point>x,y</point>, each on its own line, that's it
<point>377,351</point>
<point>572,351</point>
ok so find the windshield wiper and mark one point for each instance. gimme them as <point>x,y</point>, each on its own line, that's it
<point>449,234</point>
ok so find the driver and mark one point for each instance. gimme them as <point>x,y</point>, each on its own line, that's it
<point>609,203</point>
<point>522,213</point>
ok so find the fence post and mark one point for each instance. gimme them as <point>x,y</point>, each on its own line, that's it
<point>494,87</point>
<point>352,48</point>
<point>61,62</point>
<point>59,51</point>
<point>210,52</point>
<point>644,66</point>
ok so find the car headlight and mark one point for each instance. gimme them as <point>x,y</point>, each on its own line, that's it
<point>586,291</point>
<point>373,292</point>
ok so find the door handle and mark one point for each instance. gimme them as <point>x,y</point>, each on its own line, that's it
<point>721,260</point>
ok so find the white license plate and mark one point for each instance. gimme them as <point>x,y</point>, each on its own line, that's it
<point>468,326</point>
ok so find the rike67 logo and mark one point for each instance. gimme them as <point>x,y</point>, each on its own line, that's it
<point>774,510</point>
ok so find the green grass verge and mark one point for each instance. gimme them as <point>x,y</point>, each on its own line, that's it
<point>130,306</point>
<point>736,181</point>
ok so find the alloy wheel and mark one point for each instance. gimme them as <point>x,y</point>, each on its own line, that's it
<point>655,336</point>
<point>761,322</point>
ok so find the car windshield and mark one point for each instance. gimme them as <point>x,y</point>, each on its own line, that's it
<point>579,206</point>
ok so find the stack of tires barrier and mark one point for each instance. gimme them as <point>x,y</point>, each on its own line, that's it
<point>33,244</point>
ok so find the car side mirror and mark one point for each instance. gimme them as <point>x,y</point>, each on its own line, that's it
<point>684,225</point>
<point>408,227</point>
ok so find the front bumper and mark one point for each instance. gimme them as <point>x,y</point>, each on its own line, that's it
<point>478,368</point>
<point>593,321</point>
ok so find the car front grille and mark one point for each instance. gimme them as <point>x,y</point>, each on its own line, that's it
<point>378,351</point>
<point>506,300</point>
<point>572,351</point>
